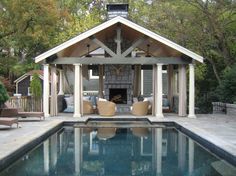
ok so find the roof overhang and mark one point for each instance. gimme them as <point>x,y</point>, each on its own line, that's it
<point>25,76</point>
<point>103,30</point>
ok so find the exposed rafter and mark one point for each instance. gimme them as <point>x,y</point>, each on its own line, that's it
<point>124,22</point>
<point>103,46</point>
<point>118,40</point>
<point>134,45</point>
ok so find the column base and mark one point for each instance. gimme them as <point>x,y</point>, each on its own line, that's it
<point>61,93</point>
<point>46,115</point>
<point>193,116</point>
<point>159,115</point>
<point>77,115</point>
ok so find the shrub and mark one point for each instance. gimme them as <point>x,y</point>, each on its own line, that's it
<point>227,89</point>
<point>36,87</point>
<point>3,94</point>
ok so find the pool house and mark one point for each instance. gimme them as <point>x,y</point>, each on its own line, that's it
<point>126,49</point>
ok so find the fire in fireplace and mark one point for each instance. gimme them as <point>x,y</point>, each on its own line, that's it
<point>118,96</point>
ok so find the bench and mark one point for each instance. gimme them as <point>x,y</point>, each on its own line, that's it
<point>8,121</point>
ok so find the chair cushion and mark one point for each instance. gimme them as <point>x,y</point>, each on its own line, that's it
<point>165,102</point>
<point>69,104</point>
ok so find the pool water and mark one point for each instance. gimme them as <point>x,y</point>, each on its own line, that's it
<point>114,151</point>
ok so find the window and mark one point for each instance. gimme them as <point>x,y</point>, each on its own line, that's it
<point>94,74</point>
<point>29,92</point>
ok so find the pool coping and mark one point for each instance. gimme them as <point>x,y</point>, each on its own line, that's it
<point>209,145</point>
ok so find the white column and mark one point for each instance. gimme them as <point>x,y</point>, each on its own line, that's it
<point>61,91</point>
<point>46,156</point>
<point>182,90</point>
<point>77,91</point>
<point>53,107</point>
<point>159,92</point>
<point>190,156</point>
<point>78,149</point>
<point>154,92</point>
<point>191,92</point>
<point>46,90</point>
<point>101,81</point>
<point>170,85</point>
<point>141,82</point>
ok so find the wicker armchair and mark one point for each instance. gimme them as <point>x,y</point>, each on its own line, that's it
<point>140,108</point>
<point>106,108</point>
<point>87,107</point>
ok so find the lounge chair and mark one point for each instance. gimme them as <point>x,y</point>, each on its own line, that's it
<point>15,112</point>
<point>140,108</point>
<point>87,107</point>
<point>8,121</point>
<point>106,108</point>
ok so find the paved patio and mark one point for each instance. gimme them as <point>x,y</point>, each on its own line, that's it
<point>220,130</point>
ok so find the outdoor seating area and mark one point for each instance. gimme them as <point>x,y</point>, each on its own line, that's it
<point>93,105</point>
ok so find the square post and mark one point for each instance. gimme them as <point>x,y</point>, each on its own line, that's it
<point>170,73</point>
<point>158,95</point>
<point>61,91</point>
<point>182,91</point>
<point>77,91</point>
<point>46,90</point>
<point>191,92</point>
<point>154,79</point>
<point>53,110</point>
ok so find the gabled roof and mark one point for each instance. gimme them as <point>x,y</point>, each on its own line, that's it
<point>30,73</point>
<point>126,22</point>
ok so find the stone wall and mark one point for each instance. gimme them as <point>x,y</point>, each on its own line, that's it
<point>231,109</point>
<point>224,108</point>
<point>119,76</point>
<point>219,108</point>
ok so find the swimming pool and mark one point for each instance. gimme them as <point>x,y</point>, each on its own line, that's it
<point>108,149</point>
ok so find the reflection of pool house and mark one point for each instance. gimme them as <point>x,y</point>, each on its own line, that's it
<point>128,49</point>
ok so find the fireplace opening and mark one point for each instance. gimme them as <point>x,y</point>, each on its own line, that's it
<point>118,96</point>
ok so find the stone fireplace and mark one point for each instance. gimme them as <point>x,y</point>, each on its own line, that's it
<point>118,84</point>
<point>118,96</point>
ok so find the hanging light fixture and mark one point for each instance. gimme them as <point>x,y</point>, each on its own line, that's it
<point>88,55</point>
<point>148,55</point>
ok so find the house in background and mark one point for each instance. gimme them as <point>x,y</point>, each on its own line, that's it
<point>23,82</point>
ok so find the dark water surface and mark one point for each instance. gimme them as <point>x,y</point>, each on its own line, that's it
<point>119,152</point>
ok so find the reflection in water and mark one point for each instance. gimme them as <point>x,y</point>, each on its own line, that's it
<point>140,132</point>
<point>106,133</point>
<point>46,156</point>
<point>118,151</point>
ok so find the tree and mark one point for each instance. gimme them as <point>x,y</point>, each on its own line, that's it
<point>3,94</point>
<point>226,90</point>
<point>36,87</point>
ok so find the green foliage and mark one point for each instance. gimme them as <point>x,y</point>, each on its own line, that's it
<point>3,94</point>
<point>226,91</point>
<point>29,28</point>
<point>36,87</point>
